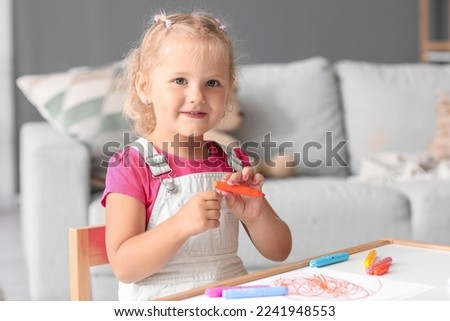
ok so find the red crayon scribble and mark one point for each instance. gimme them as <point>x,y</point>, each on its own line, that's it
<point>322,287</point>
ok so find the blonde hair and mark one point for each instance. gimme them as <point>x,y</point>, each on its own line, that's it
<point>143,58</point>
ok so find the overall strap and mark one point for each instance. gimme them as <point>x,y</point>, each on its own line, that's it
<point>232,158</point>
<point>156,162</point>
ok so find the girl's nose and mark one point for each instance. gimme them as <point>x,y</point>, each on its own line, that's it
<point>196,96</point>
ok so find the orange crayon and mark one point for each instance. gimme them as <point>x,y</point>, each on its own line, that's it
<point>382,268</point>
<point>238,189</point>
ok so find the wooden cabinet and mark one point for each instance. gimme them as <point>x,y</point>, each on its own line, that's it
<point>431,49</point>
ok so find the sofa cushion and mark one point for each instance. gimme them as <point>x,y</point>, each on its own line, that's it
<point>328,214</point>
<point>430,203</point>
<point>389,108</point>
<point>295,103</point>
<point>85,103</point>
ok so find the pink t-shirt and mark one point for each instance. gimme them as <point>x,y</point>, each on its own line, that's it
<point>128,173</point>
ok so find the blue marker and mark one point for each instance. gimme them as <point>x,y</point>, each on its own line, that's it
<point>239,293</point>
<point>329,259</point>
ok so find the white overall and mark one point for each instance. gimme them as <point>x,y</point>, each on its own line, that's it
<point>204,258</point>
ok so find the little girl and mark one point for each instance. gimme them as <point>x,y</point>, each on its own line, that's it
<point>167,229</point>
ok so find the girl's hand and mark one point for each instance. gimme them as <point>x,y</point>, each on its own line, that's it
<point>245,208</point>
<point>200,213</point>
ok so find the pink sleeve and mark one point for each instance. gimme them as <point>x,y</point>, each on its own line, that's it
<point>127,174</point>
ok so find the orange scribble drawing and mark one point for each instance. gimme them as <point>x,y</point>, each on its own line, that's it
<point>304,286</point>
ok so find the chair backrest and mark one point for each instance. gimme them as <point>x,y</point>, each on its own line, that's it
<point>86,248</point>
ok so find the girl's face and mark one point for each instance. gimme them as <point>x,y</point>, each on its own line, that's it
<point>188,89</point>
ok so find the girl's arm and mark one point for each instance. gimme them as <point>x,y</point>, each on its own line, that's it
<point>268,232</point>
<point>134,252</point>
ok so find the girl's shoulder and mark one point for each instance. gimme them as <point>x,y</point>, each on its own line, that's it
<point>127,174</point>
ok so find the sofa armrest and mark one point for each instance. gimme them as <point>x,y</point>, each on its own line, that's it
<point>55,192</point>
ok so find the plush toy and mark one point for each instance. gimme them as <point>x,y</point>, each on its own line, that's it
<point>232,120</point>
<point>280,166</point>
<point>440,147</point>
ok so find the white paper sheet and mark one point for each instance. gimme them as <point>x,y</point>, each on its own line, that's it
<point>312,284</point>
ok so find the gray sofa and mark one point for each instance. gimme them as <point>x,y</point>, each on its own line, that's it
<point>373,108</point>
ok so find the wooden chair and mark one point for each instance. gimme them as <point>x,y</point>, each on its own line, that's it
<point>86,248</point>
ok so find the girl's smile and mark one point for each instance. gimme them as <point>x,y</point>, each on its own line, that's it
<point>194,114</point>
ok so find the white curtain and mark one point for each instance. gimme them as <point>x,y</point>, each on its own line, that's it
<point>7,163</point>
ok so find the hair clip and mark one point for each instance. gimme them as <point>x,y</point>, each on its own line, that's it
<point>169,23</point>
<point>157,18</point>
<point>221,26</point>
<point>162,18</point>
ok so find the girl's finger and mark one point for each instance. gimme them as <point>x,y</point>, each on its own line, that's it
<point>258,179</point>
<point>235,178</point>
<point>248,173</point>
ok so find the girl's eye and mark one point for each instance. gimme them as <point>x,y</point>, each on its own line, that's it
<point>180,81</point>
<point>212,83</point>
